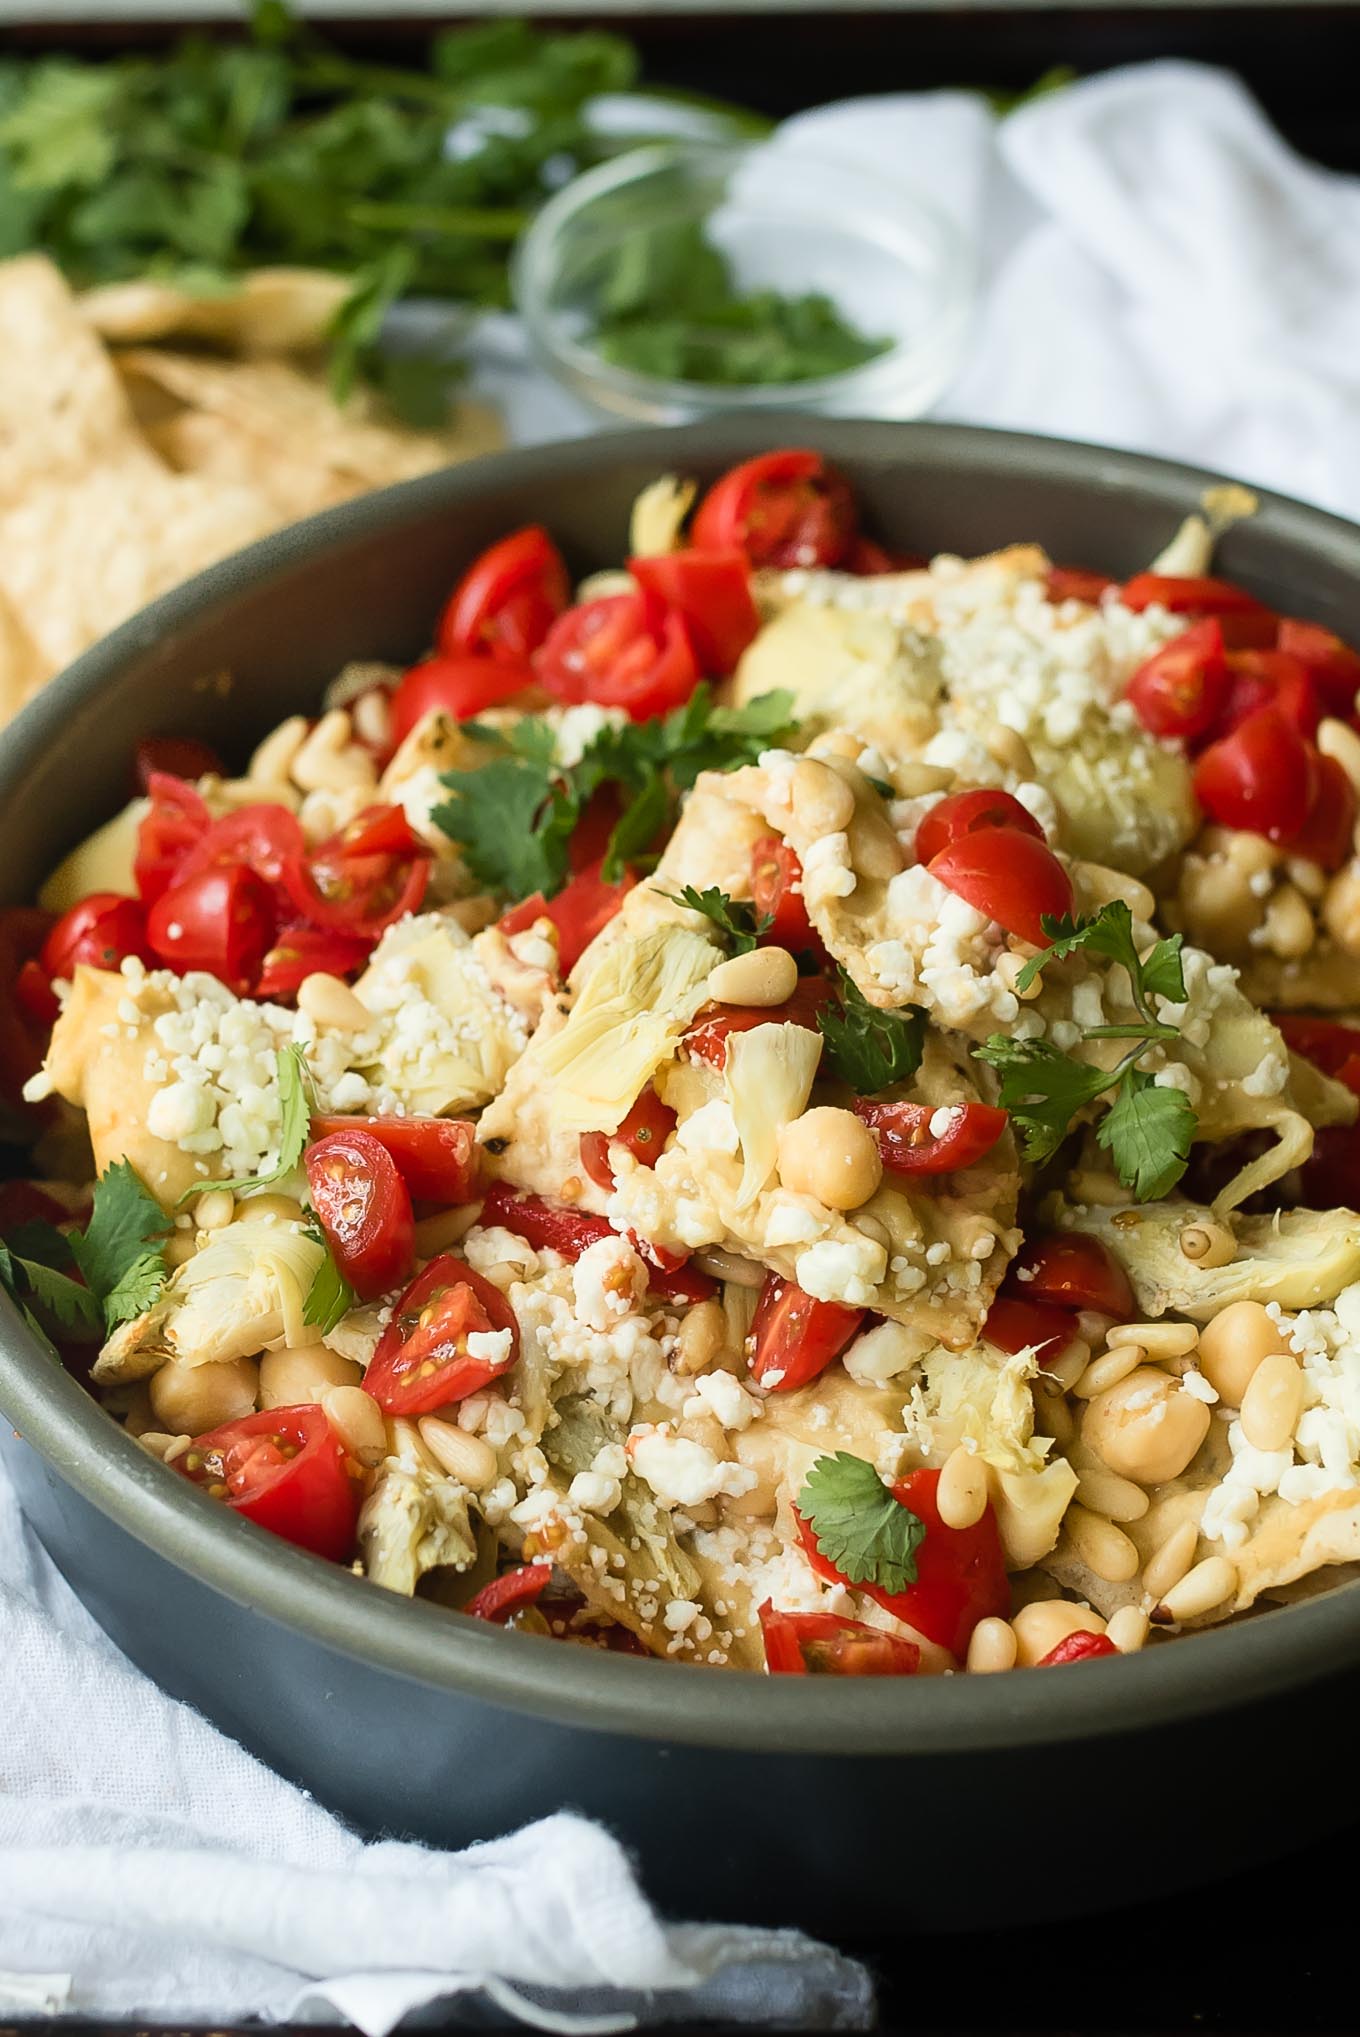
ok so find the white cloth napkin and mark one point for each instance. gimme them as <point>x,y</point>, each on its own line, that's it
<point>1157,271</point>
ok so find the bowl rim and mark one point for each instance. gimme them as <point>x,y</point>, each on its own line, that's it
<point>648,1700</point>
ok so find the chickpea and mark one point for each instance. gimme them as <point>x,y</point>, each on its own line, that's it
<point>293,1378</point>
<point>1234,1344</point>
<point>832,1155</point>
<point>1146,1428</point>
<point>822,801</point>
<point>255,1209</point>
<point>1273,1402</point>
<point>188,1400</point>
<point>701,1338</point>
<point>1040,1627</point>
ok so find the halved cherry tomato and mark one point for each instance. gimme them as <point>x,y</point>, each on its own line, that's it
<point>777,889</point>
<point>301,951</point>
<point>34,995</point>
<point>509,1593</point>
<point>1261,777</point>
<point>1074,583</point>
<point>1183,595</point>
<point>348,891</point>
<point>644,1132</point>
<point>712,591</point>
<point>579,911</point>
<point>963,813</point>
<point>1325,837</point>
<point>572,1231</point>
<point>23,1037</point>
<point>1014,1325</point>
<point>622,650</point>
<point>909,1144</point>
<point>794,1336</point>
<point>826,1644</point>
<point>221,921</point>
<point>707,1037</point>
<point>868,558</point>
<point>508,599</point>
<point>435,1157</point>
<point>457,686</point>
<point>1012,877</point>
<point>424,1360</point>
<point>786,508</point>
<point>589,841</point>
<point>178,818</point>
<point>365,1209</point>
<point>1333,665</point>
<point>284,1469</point>
<point>379,831</point>
<point>1274,678</point>
<point>1077,1648</point>
<point>103,929</point>
<point>1333,1048</point>
<point>179,756</point>
<point>262,837</point>
<point>1072,1270</point>
<point>960,1572</point>
<point>1181,689</point>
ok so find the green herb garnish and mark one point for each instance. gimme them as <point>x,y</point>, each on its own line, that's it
<point>330,1296</point>
<point>739,923</point>
<point>869,1536</point>
<point>868,1048</point>
<point>294,1124</point>
<point>120,1257</point>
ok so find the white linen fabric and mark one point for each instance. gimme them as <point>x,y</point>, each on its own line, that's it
<point>1157,271</point>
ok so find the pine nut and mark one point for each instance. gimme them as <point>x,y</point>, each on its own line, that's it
<point>180,1249</point>
<point>1053,1417</point>
<point>214,1210</point>
<point>961,1495</point>
<point>1060,1370</point>
<point>1335,739</point>
<point>1010,750</point>
<point>1169,1563</point>
<point>1273,1402</point>
<point>764,977</point>
<point>405,1441</point>
<point>372,712</point>
<point>1310,878</point>
<point>1199,1591</point>
<point>701,1337</point>
<point>191,1399</point>
<point>165,1448</point>
<point>1161,1341</point>
<point>822,801</point>
<point>1289,927</point>
<point>1107,1371</point>
<point>992,1646</point>
<point>330,761</point>
<point>1039,1627</point>
<point>1128,1629</point>
<point>358,1421</point>
<point>1231,1346</point>
<point>1218,904</point>
<point>1101,1546</point>
<point>260,1209</point>
<point>875,851</point>
<point>730,1267</point>
<point>435,1234</point>
<point>1118,1499</point>
<point>831,1155</point>
<point>272,758</point>
<point>1146,1428</point>
<point>291,1378</point>
<point>1341,907</point>
<point>466,1458</point>
<point>331,1002</point>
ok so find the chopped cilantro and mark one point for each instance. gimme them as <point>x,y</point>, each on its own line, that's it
<point>739,924</point>
<point>868,1048</point>
<point>858,1526</point>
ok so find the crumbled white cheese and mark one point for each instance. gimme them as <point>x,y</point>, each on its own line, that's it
<point>882,1353</point>
<point>680,1471</point>
<point>847,1270</point>
<point>710,1129</point>
<point>608,1280</point>
<point>719,1393</point>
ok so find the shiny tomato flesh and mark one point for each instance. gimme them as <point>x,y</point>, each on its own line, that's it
<point>507,601</point>
<point>712,591</point>
<point>435,1157</point>
<point>423,1361</point>
<point>908,1145</point>
<point>794,1337</point>
<point>301,951</point>
<point>1186,596</point>
<point>1010,876</point>
<point>644,1131</point>
<point>178,818</point>
<point>1261,777</point>
<point>1332,664</point>
<point>578,912</point>
<point>178,756</point>
<point>460,687</point>
<point>1326,836</point>
<point>365,1210</point>
<point>221,921</point>
<point>1181,690</point>
<point>285,1470</point>
<point>509,1593</point>
<point>868,558</point>
<point>777,892</point>
<point>1072,1270</point>
<point>572,1231</point>
<point>707,1037</point>
<point>103,929</point>
<point>262,838</point>
<point>826,1644</point>
<point>349,890</point>
<point>963,813</point>
<point>23,1034</point>
<point>1333,1048</point>
<point>621,650</point>
<point>786,508</point>
<point>1074,583</point>
<point>1079,1647</point>
<point>1271,678</point>
<point>1014,1325</point>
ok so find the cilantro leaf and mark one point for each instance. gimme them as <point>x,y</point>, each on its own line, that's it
<point>330,1296</point>
<point>1109,932</point>
<point>136,1290</point>
<point>636,829</point>
<point>70,1304</point>
<point>738,922</point>
<point>867,1048</point>
<point>858,1526</point>
<point>127,1225</point>
<point>1147,1132</point>
<point>1042,1088</point>
<point>295,1120</point>
<point>513,825</point>
<point>1163,970</point>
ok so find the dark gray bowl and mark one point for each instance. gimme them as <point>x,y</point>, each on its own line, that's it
<point>853,1808</point>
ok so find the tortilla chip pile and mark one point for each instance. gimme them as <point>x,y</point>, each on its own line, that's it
<point>124,472</point>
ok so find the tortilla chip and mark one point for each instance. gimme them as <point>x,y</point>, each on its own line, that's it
<point>268,311</point>
<point>62,407</point>
<point>215,449</point>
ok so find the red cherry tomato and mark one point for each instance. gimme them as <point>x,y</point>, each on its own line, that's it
<point>622,650</point>
<point>712,591</point>
<point>960,1572</point>
<point>179,756</point>
<point>589,841</point>
<point>1330,1177</point>
<point>868,558</point>
<point>365,1210</point>
<point>285,1470</point>
<point>1186,596</point>
<point>1012,877</point>
<point>1332,1048</point>
<point>786,508</point>
<point>707,1038</point>
<point>102,930</point>
<point>178,818</point>
<point>1325,837</point>
<point>908,1145</point>
<point>579,911</point>
<point>423,1360</point>
<point>794,1336</point>
<point>221,921</point>
<point>644,1132</point>
<point>1261,777</point>
<point>1270,678</point>
<point>345,889</point>
<point>1074,583</point>
<point>435,1157</point>
<point>34,995</point>
<point>1072,1270</point>
<point>1078,1647</point>
<point>963,813</point>
<point>572,1231</point>
<point>459,686</point>
<point>825,1644</point>
<point>23,1036</point>
<point>506,602</point>
<point>300,951</point>
<point>1181,690</point>
<point>1014,1325</point>
<point>777,890</point>
<point>1333,666</point>
<point>509,1593</point>
<point>263,838</point>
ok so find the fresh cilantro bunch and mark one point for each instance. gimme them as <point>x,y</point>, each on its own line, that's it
<point>515,815</point>
<point>857,1524</point>
<point>120,1258</point>
<point>1148,1129</point>
<point>868,1048</point>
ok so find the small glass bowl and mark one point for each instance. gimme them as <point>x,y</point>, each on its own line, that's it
<point>785,220</point>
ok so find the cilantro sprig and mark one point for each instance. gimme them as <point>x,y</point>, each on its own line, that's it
<point>120,1257</point>
<point>739,924</point>
<point>857,1524</point>
<point>294,1124</point>
<point>866,1047</point>
<point>330,1297</point>
<point>1149,1127</point>
<point>515,815</point>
